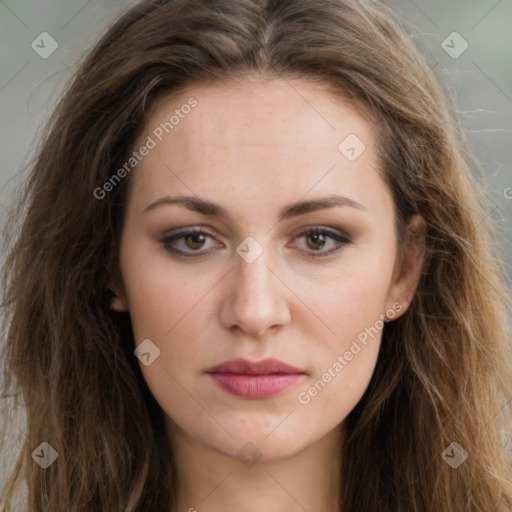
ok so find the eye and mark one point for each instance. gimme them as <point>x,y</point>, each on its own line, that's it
<point>195,242</point>
<point>188,242</point>
<point>322,241</point>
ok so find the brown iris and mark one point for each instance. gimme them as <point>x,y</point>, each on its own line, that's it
<point>195,240</point>
<point>315,240</point>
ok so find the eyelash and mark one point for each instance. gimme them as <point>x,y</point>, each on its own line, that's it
<point>343,240</point>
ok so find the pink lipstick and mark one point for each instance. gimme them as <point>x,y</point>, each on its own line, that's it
<point>255,379</point>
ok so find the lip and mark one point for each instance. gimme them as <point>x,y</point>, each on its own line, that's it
<point>255,379</point>
<point>266,366</point>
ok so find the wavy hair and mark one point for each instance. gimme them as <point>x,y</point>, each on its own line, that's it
<point>444,372</point>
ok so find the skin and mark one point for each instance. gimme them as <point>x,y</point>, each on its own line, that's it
<point>254,146</point>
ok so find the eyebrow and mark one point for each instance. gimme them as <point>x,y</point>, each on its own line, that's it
<point>204,207</point>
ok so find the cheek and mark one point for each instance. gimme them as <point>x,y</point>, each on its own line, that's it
<point>353,299</point>
<point>159,300</point>
<point>170,313</point>
<point>351,305</point>
<point>356,324</point>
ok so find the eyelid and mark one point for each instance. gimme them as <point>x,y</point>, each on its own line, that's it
<point>188,230</point>
<point>321,229</point>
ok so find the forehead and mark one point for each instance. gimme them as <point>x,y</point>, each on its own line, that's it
<point>256,137</point>
<point>295,110</point>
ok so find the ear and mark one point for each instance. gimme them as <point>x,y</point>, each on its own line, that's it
<point>408,271</point>
<point>119,301</point>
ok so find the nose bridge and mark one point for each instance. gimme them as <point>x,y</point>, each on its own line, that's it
<point>252,279</point>
<point>251,260</point>
<point>254,301</point>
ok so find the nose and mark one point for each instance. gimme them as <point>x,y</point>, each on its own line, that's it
<point>255,299</point>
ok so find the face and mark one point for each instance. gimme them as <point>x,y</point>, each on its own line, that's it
<point>255,229</point>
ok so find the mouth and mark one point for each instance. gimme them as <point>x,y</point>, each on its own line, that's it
<point>255,379</point>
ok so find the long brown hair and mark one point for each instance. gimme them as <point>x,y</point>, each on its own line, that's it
<point>444,373</point>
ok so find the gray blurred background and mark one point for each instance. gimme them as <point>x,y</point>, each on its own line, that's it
<point>33,72</point>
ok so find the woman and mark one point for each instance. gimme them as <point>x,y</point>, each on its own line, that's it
<point>253,273</point>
